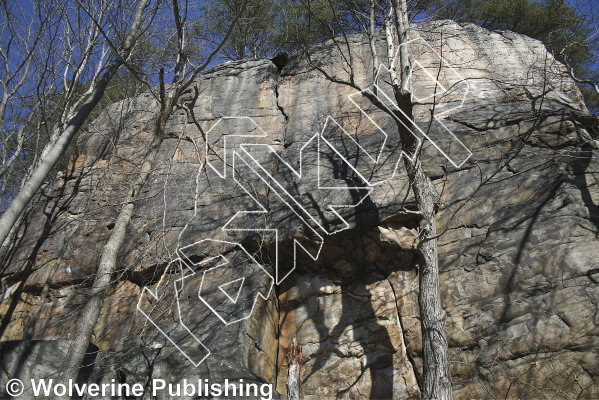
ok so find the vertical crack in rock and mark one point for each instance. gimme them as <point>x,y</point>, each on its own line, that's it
<point>278,334</point>
<point>275,89</point>
<point>403,334</point>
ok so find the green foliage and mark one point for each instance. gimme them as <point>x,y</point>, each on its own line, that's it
<point>309,22</point>
<point>261,32</point>
<point>269,27</point>
<point>561,27</point>
<point>322,20</point>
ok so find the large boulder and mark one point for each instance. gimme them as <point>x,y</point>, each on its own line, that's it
<point>519,217</point>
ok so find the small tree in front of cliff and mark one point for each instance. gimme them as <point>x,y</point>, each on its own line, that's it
<point>169,100</point>
<point>66,82</point>
<point>355,16</point>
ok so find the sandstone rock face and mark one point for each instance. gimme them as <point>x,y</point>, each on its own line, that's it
<point>518,254</point>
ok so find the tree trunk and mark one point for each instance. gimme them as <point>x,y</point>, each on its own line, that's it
<point>91,311</point>
<point>437,376</point>
<point>294,372</point>
<point>89,317</point>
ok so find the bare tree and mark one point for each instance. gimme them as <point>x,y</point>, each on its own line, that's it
<point>184,74</point>
<point>77,106</point>
<point>436,375</point>
<point>52,55</point>
<point>295,371</point>
<point>23,37</point>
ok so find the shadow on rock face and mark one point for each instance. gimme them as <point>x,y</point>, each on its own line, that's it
<point>145,373</point>
<point>343,312</point>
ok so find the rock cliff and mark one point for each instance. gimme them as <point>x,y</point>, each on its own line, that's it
<point>518,255</point>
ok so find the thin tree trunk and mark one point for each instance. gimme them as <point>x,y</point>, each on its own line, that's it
<point>371,32</point>
<point>294,372</point>
<point>436,380</point>
<point>437,376</point>
<point>91,311</point>
<point>89,317</point>
<point>19,203</point>
<point>12,234</point>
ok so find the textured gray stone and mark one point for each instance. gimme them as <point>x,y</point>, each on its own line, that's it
<point>518,258</point>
